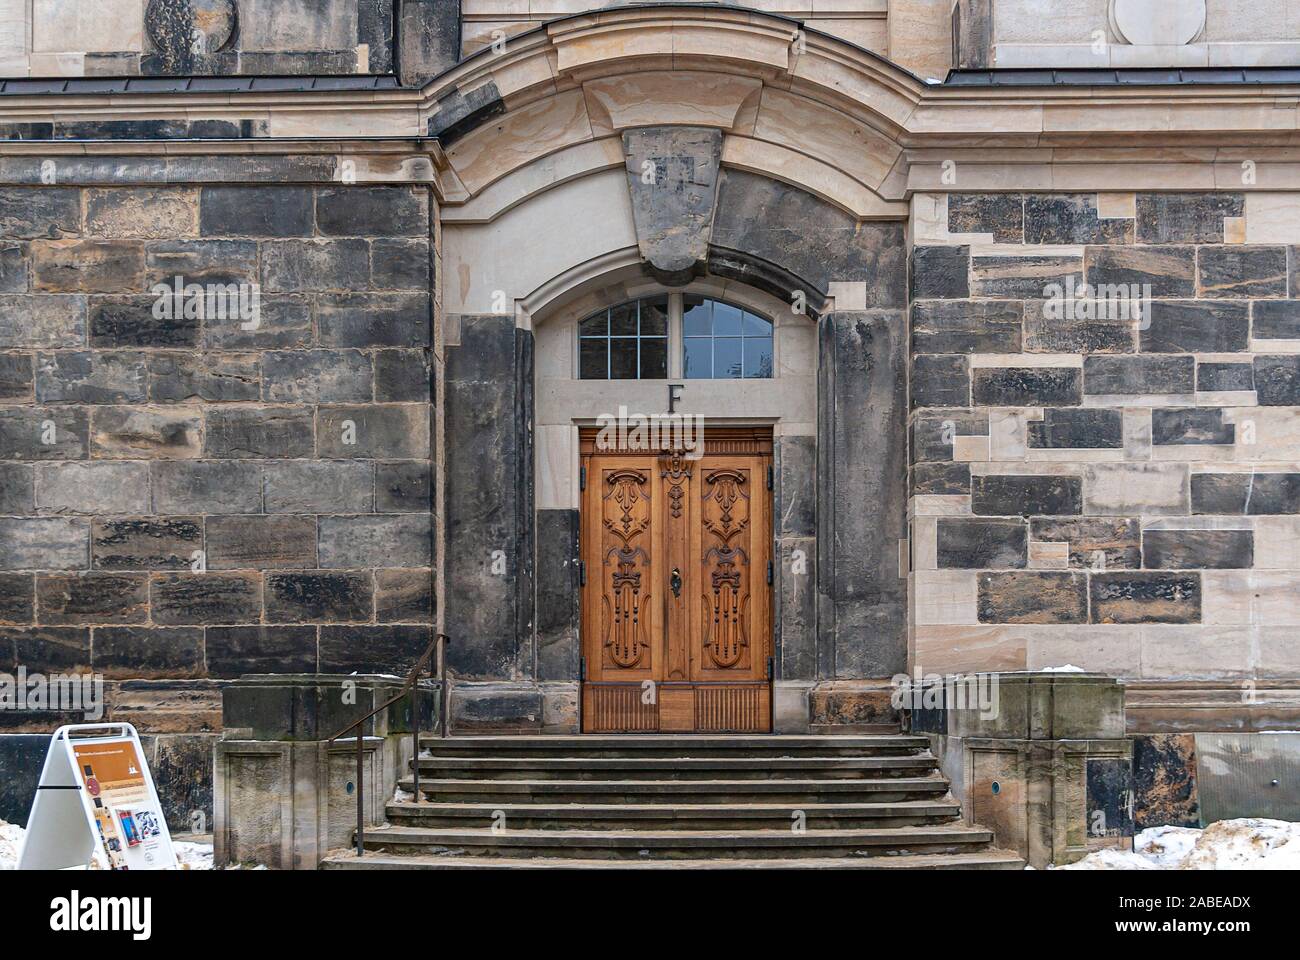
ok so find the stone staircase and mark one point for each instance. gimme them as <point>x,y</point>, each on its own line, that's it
<point>651,802</point>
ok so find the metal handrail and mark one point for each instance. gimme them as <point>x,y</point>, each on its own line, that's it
<point>439,643</point>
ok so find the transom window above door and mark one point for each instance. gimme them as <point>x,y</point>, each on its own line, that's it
<point>675,335</point>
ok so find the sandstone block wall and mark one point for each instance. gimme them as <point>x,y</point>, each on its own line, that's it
<point>1120,494</point>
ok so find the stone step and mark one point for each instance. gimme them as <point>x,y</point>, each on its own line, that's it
<point>667,745</point>
<point>984,860</point>
<point>681,844</point>
<point>677,768</point>
<point>784,790</point>
<point>662,816</point>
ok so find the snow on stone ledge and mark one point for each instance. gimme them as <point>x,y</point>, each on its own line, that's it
<point>1251,843</point>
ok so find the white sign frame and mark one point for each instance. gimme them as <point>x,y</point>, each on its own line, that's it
<point>62,832</point>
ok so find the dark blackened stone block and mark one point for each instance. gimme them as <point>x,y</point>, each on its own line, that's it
<point>1164,781</point>
<point>558,592</point>
<point>940,381</point>
<point>940,479</point>
<point>1108,796</point>
<point>49,649</point>
<point>16,377</point>
<point>17,603</point>
<point>1033,597</point>
<point>375,320</point>
<point>1022,277</point>
<point>386,649</point>
<point>398,540</point>
<point>130,322</point>
<point>933,434</point>
<point>1112,332</point>
<point>941,273</point>
<point>372,211</point>
<point>284,323</point>
<point>1191,425</point>
<point>237,211</point>
<point>13,268</point>
<point>214,377</point>
<point>404,596</point>
<point>1277,380</point>
<point>236,651</point>
<point>1145,597</point>
<point>150,543</point>
<point>1071,218</point>
<point>28,213</point>
<point>1212,377</point>
<point>1095,544</point>
<point>390,432</point>
<point>404,487</point>
<point>21,760</point>
<point>317,376</point>
<point>182,770</point>
<point>1196,326</point>
<point>196,598</point>
<point>1186,217</point>
<point>319,486</point>
<point>1078,429</point>
<point>172,129</point>
<point>201,261</point>
<point>318,597</point>
<point>1237,271</point>
<point>375,29</point>
<point>323,64</point>
<point>148,652</point>
<point>1001,214</point>
<point>400,265</point>
<point>1027,386</point>
<point>17,489</point>
<point>93,598</point>
<point>1275,319</point>
<point>1293,271</point>
<point>300,266</point>
<point>428,38</point>
<point>1246,494</point>
<point>184,33</point>
<point>796,479</point>
<point>1104,376</point>
<point>1198,549</point>
<point>1169,271</point>
<point>25,435</point>
<point>1024,496</point>
<point>261,543</point>
<point>982,544</point>
<point>237,433</point>
<point>208,487</point>
<point>91,377</point>
<point>402,376</point>
<point>966,326</point>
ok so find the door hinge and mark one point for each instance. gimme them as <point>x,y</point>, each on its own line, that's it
<point>582,478</point>
<point>582,573</point>
<point>771,573</point>
<point>771,478</point>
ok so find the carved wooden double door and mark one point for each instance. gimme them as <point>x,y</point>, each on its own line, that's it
<point>676,597</point>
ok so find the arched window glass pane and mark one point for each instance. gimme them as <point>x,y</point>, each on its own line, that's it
<point>626,342</point>
<point>721,341</point>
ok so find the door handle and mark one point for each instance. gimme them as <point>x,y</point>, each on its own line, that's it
<point>675,581</point>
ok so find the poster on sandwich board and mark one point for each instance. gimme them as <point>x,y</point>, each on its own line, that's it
<point>96,793</point>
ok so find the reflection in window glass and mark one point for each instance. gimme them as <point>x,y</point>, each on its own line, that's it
<point>724,342</point>
<point>626,342</point>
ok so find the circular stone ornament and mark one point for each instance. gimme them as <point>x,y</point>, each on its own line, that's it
<point>1158,22</point>
<point>193,27</point>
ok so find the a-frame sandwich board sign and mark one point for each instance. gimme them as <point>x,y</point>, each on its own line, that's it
<point>96,792</point>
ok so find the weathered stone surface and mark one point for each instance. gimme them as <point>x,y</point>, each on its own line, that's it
<point>1015,495</point>
<point>1246,494</point>
<point>1185,217</point>
<point>940,381</point>
<point>206,487</point>
<point>315,597</point>
<point>940,479</point>
<point>1100,544</point>
<point>236,651</point>
<point>1136,489</point>
<point>216,377</point>
<point>1170,271</point>
<point>1142,375</point>
<point>933,435</point>
<point>43,433</point>
<point>1026,386</point>
<point>44,543</point>
<point>1077,428</point>
<point>404,486</point>
<point>293,266</point>
<point>374,320</point>
<point>1110,332</point>
<point>404,596</point>
<point>157,433</point>
<point>392,432</point>
<point>284,323</point>
<point>317,376</point>
<point>1236,271</point>
<point>268,432</point>
<point>403,376</point>
<point>1198,549</point>
<point>200,598</point>
<point>201,261</point>
<point>1145,597</point>
<point>1164,781</point>
<point>981,544</point>
<point>1191,425</point>
<point>16,378</point>
<point>941,273</point>
<point>1277,380</point>
<point>148,543</point>
<point>151,213</point>
<point>1025,277</point>
<point>13,268</point>
<point>46,321</point>
<point>50,649</point>
<point>400,264</point>
<point>129,321</point>
<point>103,488</point>
<point>966,326</point>
<point>1225,376</point>
<point>88,266</point>
<point>148,652</point>
<point>1071,218</point>
<point>1001,214</point>
<point>186,33</point>
<point>29,213</point>
<point>17,488</point>
<point>261,543</point>
<point>384,649</point>
<point>398,540</point>
<point>85,598</point>
<point>262,211</point>
<point>17,601</point>
<point>319,486</point>
<point>1033,597</point>
<point>428,38</point>
<point>364,211</point>
<point>1275,319</point>
<point>91,377</point>
<point>1196,326</point>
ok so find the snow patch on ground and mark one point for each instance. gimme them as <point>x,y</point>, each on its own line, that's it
<point>191,855</point>
<point>1250,843</point>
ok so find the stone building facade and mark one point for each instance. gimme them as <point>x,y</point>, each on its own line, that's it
<point>1032,382</point>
